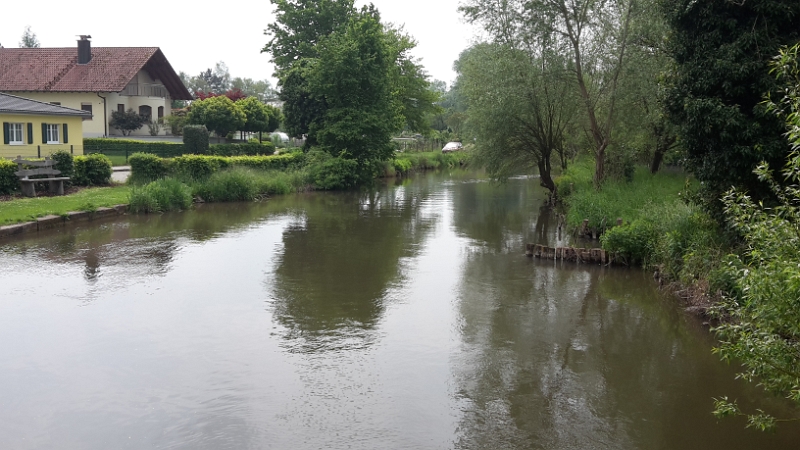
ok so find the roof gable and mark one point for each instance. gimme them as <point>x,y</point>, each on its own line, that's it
<point>110,70</point>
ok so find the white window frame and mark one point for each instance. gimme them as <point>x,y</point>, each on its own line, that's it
<point>53,132</point>
<point>16,134</point>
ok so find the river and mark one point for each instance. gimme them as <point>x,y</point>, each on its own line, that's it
<point>404,317</point>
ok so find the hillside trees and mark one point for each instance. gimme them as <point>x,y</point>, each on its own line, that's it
<point>721,50</point>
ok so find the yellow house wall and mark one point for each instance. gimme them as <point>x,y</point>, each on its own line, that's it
<point>38,149</point>
<point>96,127</point>
<point>91,128</point>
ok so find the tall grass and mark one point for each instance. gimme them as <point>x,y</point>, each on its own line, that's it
<point>660,227</point>
<point>243,184</point>
<point>166,194</point>
<point>618,198</point>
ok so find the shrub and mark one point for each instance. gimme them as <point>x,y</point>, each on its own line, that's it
<point>402,165</point>
<point>635,241</point>
<point>333,173</point>
<point>64,162</point>
<point>195,139</point>
<point>198,167</point>
<point>166,194</point>
<point>8,181</point>
<point>247,149</point>
<point>92,170</point>
<point>125,147</point>
<point>146,167</point>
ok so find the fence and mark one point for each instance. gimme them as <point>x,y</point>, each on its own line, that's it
<point>39,151</point>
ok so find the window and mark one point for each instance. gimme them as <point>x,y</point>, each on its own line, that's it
<point>52,133</point>
<point>146,111</point>
<point>160,112</point>
<point>120,108</point>
<point>87,107</point>
<point>15,134</point>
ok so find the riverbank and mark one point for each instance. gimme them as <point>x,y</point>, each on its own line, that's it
<point>180,191</point>
<point>661,229</point>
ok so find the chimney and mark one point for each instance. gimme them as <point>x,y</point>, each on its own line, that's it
<point>84,49</point>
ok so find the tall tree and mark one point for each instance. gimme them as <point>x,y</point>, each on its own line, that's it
<point>29,39</point>
<point>353,73</point>
<point>219,114</point>
<point>722,49</point>
<point>299,27</point>
<point>593,34</point>
<point>520,109</point>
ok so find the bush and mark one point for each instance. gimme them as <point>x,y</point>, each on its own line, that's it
<point>166,194</point>
<point>329,173</point>
<point>247,149</point>
<point>195,139</point>
<point>92,170</point>
<point>146,167</point>
<point>8,181</point>
<point>125,147</point>
<point>198,167</point>
<point>64,162</point>
<point>634,242</point>
<point>402,165</point>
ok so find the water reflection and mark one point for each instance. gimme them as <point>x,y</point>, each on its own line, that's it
<point>339,259</point>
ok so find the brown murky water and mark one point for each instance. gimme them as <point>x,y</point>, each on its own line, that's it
<point>402,318</point>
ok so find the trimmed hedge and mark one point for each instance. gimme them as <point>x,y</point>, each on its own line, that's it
<point>92,170</point>
<point>145,168</point>
<point>195,138</point>
<point>8,181</point>
<point>125,147</point>
<point>244,149</point>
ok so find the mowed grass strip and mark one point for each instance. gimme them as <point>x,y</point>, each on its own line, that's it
<point>26,209</point>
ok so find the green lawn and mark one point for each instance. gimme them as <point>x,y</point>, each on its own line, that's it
<point>118,160</point>
<point>25,209</point>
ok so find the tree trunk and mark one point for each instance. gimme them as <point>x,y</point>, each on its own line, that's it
<point>544,175</point>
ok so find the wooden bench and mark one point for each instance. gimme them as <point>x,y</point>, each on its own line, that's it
<point>40,169</point>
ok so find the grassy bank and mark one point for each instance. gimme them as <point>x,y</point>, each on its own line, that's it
<point>25,209</point>
<point>661,228</point>
<point>174,184</point>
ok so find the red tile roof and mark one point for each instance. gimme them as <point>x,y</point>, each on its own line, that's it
<point>110,70</point>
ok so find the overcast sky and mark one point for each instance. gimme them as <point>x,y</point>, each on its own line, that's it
<point>195,36</point>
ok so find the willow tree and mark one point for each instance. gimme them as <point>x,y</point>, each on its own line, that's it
<point>519,108</point>
<point>591,34</point>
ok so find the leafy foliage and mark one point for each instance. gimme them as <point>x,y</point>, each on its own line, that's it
<point>520,109</point>
<point>29,39</point>
<point>763,306</point>
<point>352,75</point>
<point>8,181</point>
<point>721,51</point>
<point>63,162</point>
<point>160,196</point>
<point>146,167</point>
<point>92,170</point>
<point>127,121</point>
<point>195,139</point>
<point>219,114</point>
<point>258,116</point>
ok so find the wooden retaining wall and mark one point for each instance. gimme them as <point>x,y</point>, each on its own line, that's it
<point>579,255</point>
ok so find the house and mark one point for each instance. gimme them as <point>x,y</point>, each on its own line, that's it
<point>36,129</point>
<point>97,80</point>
